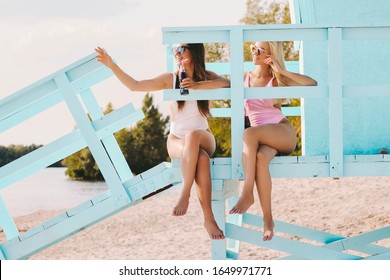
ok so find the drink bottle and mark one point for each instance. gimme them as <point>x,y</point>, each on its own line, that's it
<point>182,76</point>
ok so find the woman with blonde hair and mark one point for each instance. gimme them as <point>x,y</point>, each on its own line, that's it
<point>270,131</point>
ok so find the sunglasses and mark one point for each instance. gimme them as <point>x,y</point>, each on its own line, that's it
<point>180,49</point>
<point>257,51</point>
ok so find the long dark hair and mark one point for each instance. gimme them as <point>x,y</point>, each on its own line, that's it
<point>200,74</point>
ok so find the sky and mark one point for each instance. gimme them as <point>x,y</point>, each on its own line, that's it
<point>40,37</point>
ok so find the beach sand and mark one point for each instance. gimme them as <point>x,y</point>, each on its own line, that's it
<point>148,231</point>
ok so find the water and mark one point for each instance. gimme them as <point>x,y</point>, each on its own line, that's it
<point>49,189</point>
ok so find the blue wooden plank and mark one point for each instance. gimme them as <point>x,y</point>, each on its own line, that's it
<point>354,91</point>
<point>28,234</point>
<point>352,169</point>
<point>152,180</point>
<point>40,96</point>
<point>54,234</point>
<point>38,106</point>
<point>286,92</point>
<point>237,100</point>
<point>85,69</point>
<point>367,33</point>
<point>55,220</point>
<point>6,222</point>
<point>307,11</point>
<point>95,146</point>
<point>24,97</point>
<point>313,159</point>
<point>159,168</point>
<point>112,147</point>
<point>226,112</point>
<point>306,251</point>
<point>100,197</point>
<point>335,103</point>
<point>369,249</point>
<point>116,120</point>
<point>296,170</point>
<point>300,231</point>
<point>40,158</point>
<point>364,158</point>
<point>308,34</point>
<point>221,161</point>
<point>295,14</point>
<point>90,79</point>
<point>366,238</point>
<point>79,208</point>
<point>223,68</point>
<point>234,246</point>
<point>214,94</point>
<point>284,159</point>
<point>382,256</point>
<point>221,112</point>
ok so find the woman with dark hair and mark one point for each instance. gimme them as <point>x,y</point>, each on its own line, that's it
<point>190,138</point>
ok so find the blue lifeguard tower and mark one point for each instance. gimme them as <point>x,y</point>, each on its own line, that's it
<point>344,122</point>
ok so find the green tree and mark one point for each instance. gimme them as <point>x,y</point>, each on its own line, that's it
<point>82,166</point>
<point>144,146</point>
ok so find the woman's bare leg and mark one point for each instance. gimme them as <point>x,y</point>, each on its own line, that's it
<point>194,140</point>
<point>264,187</point>
<point>203,187</point>
<point>281,137</point>
<point>249,164</point>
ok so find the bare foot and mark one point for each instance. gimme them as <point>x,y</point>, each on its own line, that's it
<point>268,230</point>
<point>244,202</point>
<point>213,230</point>
<point>181,206</point>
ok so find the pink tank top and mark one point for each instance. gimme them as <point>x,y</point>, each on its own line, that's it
<point>261,111</point>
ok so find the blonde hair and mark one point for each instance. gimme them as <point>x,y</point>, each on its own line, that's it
<point>276,50</point>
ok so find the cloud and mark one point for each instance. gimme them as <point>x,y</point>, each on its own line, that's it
<point>41,10</point>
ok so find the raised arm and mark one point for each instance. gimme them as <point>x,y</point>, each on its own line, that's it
<point>163,81</point>
<point>290,78</point>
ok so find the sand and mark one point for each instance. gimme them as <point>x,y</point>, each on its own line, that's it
<point>148,231</point>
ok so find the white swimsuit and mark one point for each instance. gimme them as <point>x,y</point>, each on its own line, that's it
<point>189,118</point>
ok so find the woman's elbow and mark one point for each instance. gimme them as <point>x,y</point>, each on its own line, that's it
<point>226,83</point>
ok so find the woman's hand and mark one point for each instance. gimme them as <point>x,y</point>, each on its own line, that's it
<point>104,58</point>
<point>271,61</point>
<point>188,83</point>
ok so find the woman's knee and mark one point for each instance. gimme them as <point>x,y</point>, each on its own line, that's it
<point>203,157</point>
<point>248,134</point>
<point>264,156</point>
<point>192,135</point>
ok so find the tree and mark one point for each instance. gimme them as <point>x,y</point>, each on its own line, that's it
<point>144,146</point>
